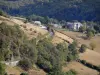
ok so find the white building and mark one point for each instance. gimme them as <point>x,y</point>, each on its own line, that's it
<point>37,22</point>
<point>74,25</point>
<point>43,27</point>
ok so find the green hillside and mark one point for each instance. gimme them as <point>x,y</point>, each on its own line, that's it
<point>61,9</point>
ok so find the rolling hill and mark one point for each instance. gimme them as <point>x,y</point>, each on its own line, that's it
<point>61,9</point>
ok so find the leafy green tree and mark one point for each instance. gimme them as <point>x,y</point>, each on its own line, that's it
<point>63,51</point>
<point>82,48</point>
<point>46,19</point>
<point>89,34</point>
<point>73,53</point>
<point>82,28</point>
<point>25,64</point>
<point>56,70</point>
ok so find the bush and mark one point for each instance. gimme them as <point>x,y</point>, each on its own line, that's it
<point>25,64</point>
<point>71,72</point>
<point>73,53</point>
<point>24,73</point>
<point>2,13</point>
<point>92,45</point>
<point>82,48</point>
<point>2,69</point>
<point>82,29</point>
<point>89,35</point>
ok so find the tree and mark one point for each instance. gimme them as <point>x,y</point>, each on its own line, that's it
<point>46,19</point>
<point>82,48</point>
<point>56,70</point>
<point>89,34</point>
<point>2,69</point>
<point>92,45</point>
<point>25,64</point>
<point>82,28</point>
<point>73,53</point>
<point>63,51</point>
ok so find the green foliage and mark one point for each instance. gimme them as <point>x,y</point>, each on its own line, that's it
<point>2,13</point>
<point>10,39</point>
<point>2,69</point>
<point>46,51</point>
<point>73,53</point>
<point>24,74</point>
<point>82,48</point>
<point>28,50</point>
<point>25,64</point>
<point>44,20</point>
<point>82,29</point>
<point>90,34</point>
<point>97,28</point>
<point>61,9</point>
<point>71,72</point>
<point>63,51</point>
<point>13,42</point>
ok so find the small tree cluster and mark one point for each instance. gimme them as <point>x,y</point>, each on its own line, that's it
<point>25,64</point>
<point>90,33</point>
<point>83,48</point>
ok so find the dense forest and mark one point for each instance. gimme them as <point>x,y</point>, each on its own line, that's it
<point>61,9</point>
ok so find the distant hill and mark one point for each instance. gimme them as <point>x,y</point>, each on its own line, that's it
<point>61,9</point>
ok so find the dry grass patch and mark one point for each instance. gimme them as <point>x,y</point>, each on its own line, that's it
<point>37,72</point>
<point>13,70</point>
<point>80,69</point>
<point>57,40</point>
<point>79,37</point>
<point>91,57</point>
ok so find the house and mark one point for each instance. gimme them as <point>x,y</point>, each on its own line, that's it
<point>37,22</point>
<point>43,27</point>
<point>74,25</point>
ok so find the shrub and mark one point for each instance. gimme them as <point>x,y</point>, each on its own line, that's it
<point>82,29</point>
<point>2,13</point>
<point>71,72</point>
<point>2,69</point>
<point>24,73</point>
<point>73,53</point>
<point>25,64</point>
<point>89,35</point>
<point>92,45</point>
<point>82,48</point>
